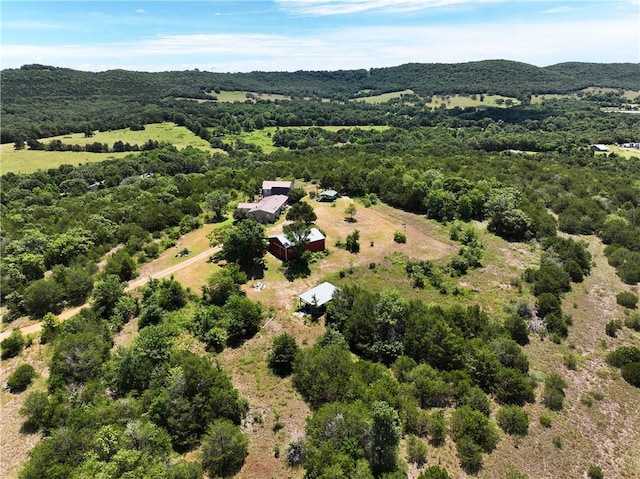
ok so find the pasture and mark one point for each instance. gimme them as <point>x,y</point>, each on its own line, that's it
<point>29,161</point>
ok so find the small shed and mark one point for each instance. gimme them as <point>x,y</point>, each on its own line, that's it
<point>270,188</point>
<point>281,247</point>
<point>599,148</point>
<point>328,195</point>
<point>319,296</point>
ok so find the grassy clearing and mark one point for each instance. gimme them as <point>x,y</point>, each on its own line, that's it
<point>462,101</point>
<point>242,96</point>
<point>264,138</point>
<point>385,97</point>
<point>28,161</point>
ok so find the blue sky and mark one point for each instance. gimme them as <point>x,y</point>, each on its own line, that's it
<point>290,35</point>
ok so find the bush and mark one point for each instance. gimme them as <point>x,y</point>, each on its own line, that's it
<point>513,420</point>
<point>416,451</point>
<point>631,373</point>
<point>296,452</point>
<point>623,355</point>
<point>434,472</point>
<point>612,328</point>
<point>224,449</point>
<point>545,421</point>
<point>557,442</point>
<point>399,237</point>
<point>12,345</point>
<point>21,378</point>
<point>595,472</point>
<point>283,352</point>
<point>627,299</point>
<point>553,395</point>
<point>470,455</point>
<point>633,322</point>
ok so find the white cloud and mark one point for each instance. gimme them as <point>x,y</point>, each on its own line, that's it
<point>140,10</point>
<point>342,7</point>
<point>595,40</point>
<point>563,9</point>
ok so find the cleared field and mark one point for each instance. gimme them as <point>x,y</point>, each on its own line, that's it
<point>462,101</point>
<point>242,96</point>
<point>385,97</point>
<point>28,161</point>
<point>264,138</point>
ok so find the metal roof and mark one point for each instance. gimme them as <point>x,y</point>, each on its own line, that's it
<point>314,235</point>
<point>318,296</point>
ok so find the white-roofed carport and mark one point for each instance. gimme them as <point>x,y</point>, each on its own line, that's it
<point>318,296</point>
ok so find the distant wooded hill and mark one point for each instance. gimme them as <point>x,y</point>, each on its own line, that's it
<point>43,96</point>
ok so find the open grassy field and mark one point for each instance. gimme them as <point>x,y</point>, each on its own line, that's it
<point>28,161</point>
<point>463,101</point>
<point>263,138</point>
<point>385,97</point>
<point>449,101</point>
<point>242,96</point>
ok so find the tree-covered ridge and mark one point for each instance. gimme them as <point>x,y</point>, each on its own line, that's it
<point>40,101</point>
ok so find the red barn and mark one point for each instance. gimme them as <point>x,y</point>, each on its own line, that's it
<point>282,248</point>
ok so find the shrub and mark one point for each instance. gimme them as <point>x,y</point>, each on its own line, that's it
<point>283,352</point>
<point>631,373</point>
<point>612,328</point>
<point>553,395</point>
<point>623,355</point>
<point>352,245</point>
<point>545,421</point>
<point>557,442</point>
<point>12,345</point>
<point>224,449</point>
<point>513,420</point>
<point>296,452</point>
<point>595,472</point>
<point>570,361</point>
<point>627,299</point>
<point>633,322</point>
<point>470,455</point>
<point>514,474</point>
<point>416,451</point>
<point>21,378</point>
<point>434,472</point>
<point>399,237</point>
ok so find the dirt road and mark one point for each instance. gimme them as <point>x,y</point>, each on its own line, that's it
<point>133,284</point>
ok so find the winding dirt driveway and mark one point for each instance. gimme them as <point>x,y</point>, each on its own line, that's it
<point>133,284</point>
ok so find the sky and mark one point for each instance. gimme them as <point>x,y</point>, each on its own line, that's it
<point>291,35</point>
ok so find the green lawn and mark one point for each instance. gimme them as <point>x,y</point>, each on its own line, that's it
<point>242,96</point>
<point>28,161</point>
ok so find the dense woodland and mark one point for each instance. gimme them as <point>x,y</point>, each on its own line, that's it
<point>128,411</point>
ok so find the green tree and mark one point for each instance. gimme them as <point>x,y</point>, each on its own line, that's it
<point>43,296</point>
<point>223,284</point>
<point>298,234</point>
<point>302,211</point>
<point>122,265</point>
<point>106,294</point>
<point>217,202</point>
<point>243,318</point>
<point>295,195</point>
<point>283,352</point>
<point>386,434</point>
<point>350,212</point>
<point>224,449</point>
<point>245,245</point>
